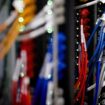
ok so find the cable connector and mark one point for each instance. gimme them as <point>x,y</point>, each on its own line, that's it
<point>18,5</point>
<point>100,59</point>
<point>103,17</point>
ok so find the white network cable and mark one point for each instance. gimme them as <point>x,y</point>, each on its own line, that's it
<point>101,82</point>
<point>89,4</point>
<point>40,31</point>
<point>43,19</point>
<point>39,20</point>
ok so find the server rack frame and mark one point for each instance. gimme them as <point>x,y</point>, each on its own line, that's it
<point>70,26</point>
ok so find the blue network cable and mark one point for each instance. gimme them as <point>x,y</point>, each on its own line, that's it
<point>61,53</point>
<point>97,52</point>
<point>98,48</point>
<point>93,33</point>
<point>42,83</point>
<point>97,82</point>
<point>44,92</point>
<point>94,61</point>
<point>38,91</point>
<point>94,58</point>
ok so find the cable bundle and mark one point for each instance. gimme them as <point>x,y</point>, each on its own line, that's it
<point>30,47</point>
<point>96,59</point>
<point>99,48</point>
<point>61,53</point>
<point>22,17</point>
<point>21,97</point>
<point>40,93</point>
<point>85,16</point>
<point>83,68</point>
<point>46,74</point>
<point>20,86</point>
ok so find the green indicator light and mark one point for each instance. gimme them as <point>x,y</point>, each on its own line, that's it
<point>49,30</point>
<point>50,2</point>
<point>50,12</point>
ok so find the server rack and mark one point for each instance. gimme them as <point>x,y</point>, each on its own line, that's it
<point>69,29</point>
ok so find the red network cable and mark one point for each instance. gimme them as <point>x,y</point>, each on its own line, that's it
<point>20,92</point>
<point>86,21</point>
<point>83,68</point>
<point>21,82</point>
<point>29,47</point>
<point>84,13</point>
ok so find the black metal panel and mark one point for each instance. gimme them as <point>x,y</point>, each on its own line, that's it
<point>70,25</point>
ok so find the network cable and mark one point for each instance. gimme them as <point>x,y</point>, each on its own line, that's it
<point>97,82</point>
<point>83,67</point>
<point>47,70</point>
